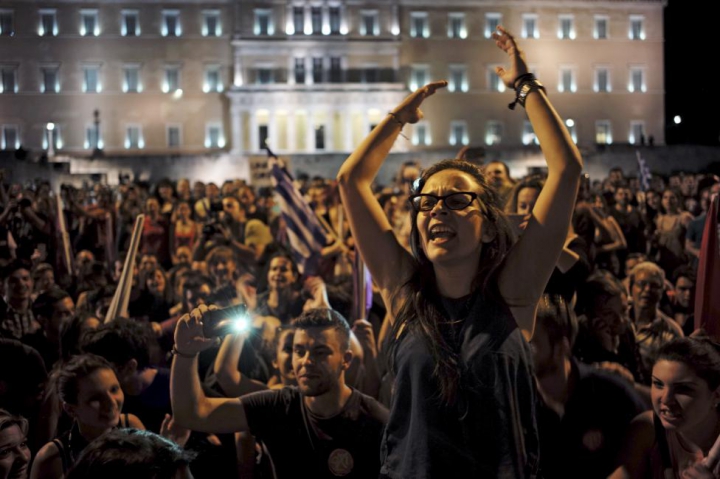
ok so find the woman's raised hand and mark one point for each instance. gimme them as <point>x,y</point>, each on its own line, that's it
<point>506,42</point>
<point>409,110</point>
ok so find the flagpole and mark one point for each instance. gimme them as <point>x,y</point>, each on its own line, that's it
<point>121,299</point>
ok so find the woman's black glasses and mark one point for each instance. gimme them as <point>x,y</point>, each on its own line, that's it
<point>453,201</point>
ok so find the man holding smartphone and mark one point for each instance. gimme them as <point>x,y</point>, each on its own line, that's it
<point>321,428</point>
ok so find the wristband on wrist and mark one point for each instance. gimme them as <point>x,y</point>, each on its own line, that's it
<point>527,84</point>
<point>176,352</point>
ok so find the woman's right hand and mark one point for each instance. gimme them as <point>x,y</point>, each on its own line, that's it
<point>189,337</point>
<point>409,110</point>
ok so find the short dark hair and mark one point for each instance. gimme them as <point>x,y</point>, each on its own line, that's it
<point>598,289</point>
<point>324,318</point>
<point>683,271</point>
<point>220,252</point>
<point>120,341</point>
<point>195,281</point>
<point>13,266</point>
<point>557,318</point>
<point>45,303</point>
<point>66,378</point>
<point>123,453</point>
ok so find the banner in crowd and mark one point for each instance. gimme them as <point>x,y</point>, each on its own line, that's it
<point>707,289</point>
<point>643,172</point>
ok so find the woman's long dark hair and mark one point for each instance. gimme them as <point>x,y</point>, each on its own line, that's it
<point>421,310</point>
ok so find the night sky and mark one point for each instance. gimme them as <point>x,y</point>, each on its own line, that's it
<point>692,72</point>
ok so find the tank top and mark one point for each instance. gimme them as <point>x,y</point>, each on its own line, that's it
<point>670,455</point>
<point>491,430</point>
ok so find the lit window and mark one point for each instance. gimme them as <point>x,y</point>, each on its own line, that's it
<point>567,81</point>
<point>419,77</point>
<point>421,134</point>
<point>130,23</point>
<point>637,27</point>
<point>134,137</point>
<point>335,18</point>
<point>93,141</point>
<point>456,25</point>
<point>91,79</point>
<point>8,79</point>
<point>637,133</point>
<point>263,22</point>
<point>298,20</point>
<point>493,132</point>
<point>602,80</point>
<point>603,132</point>
<point>174,137</point>
<point>494,81</point>
<point>89,24</point>
<point>530,28</point>
<point>458,78</point>
<point>316,20</point>
<point>10,139</point>
<point>171,82</point>
<point>636,81</point>
<point>131,79</point>
<point>211,23</point>
<point>213,81</point>
<point>459,133</point>
<point>419,25</point>
<point>50,80</point>
<point>171,23</point>
<point>492,20</point>
<point>214,137</point>
<point>369,25</point>
<point>528,136</point>
<point>601,27</point>
<point>7,23</point>
<point>48,23</point>
<point>566,30</point>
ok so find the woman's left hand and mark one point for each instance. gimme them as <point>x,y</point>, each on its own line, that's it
<point>170,430</point>
<point>506,42</point>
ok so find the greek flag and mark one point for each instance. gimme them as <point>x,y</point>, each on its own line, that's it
<point>644,173</point>
<point>305,233</point>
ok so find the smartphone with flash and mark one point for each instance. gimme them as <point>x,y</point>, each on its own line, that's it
<point>221,322</point>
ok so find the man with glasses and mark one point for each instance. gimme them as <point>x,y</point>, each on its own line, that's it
<point>652,327</point>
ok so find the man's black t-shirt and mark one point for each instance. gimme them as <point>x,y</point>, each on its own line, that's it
<point>302,444</point>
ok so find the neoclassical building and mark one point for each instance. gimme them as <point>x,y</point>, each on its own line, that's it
<point>192,76</point>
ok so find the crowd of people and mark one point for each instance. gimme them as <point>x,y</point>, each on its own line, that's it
<point>537,327</point>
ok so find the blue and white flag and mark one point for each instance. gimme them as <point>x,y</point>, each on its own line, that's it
<point>305,233</point>
<point>643,173</point>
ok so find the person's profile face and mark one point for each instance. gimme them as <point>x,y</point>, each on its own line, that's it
<point>284,357</point>
<point>495,173</point>
<point>63,311</point>
<point>14,454</point>
<point>681,400</point>
<point>451,236</point>
<point>318,360</point>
